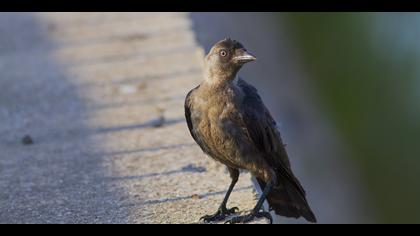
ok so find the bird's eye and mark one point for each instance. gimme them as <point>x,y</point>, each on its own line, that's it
<point>223,53</point>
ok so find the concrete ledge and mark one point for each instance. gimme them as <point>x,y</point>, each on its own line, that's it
<point>102,99</point>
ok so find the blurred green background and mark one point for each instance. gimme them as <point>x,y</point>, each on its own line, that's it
<point>365,68</point>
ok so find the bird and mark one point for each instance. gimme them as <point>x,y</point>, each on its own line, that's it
<point>229,121</point>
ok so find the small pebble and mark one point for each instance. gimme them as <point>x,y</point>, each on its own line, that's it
<point>159,122</point>
<point>195,196</point>
<point>127,89</point>
<point>27,140</point>
<point>142,86</point>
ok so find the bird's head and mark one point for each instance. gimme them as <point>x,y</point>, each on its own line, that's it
<point>225,59</point>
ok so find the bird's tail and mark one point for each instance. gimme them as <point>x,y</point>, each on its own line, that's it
<point>288,200</point>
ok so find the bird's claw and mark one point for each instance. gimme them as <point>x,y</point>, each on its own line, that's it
<point>250,217</point>
<point>221,214</point>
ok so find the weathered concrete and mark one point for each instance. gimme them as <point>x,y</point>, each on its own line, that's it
<point>101,95</point>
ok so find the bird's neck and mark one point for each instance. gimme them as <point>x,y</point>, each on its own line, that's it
<point>219,83</point>
<point>218,79</point>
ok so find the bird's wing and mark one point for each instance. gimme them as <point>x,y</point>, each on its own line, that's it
<point>187,109</point>
<point>192,118</point>
<point>263,132</point>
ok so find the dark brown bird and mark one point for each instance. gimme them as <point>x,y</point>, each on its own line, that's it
<point>229,121</point>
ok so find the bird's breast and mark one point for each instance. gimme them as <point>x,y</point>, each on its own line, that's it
<point>218,109</point>
<point>215,127</point>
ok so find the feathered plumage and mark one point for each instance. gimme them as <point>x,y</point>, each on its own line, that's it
<point>229,121</point>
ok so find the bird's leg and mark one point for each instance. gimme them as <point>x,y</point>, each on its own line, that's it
<point>256,213</point>
<point>223,211</point>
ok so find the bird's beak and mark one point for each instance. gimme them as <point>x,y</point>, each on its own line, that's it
<point>244,57</point>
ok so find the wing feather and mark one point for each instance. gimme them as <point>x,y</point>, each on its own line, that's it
<point>264,133</point>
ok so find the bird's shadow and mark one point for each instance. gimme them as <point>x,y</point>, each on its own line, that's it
<point>200,196</point>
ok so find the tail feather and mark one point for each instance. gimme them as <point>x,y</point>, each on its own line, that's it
<point>288,200</point>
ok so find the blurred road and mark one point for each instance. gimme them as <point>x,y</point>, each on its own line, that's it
<point>101,95</point>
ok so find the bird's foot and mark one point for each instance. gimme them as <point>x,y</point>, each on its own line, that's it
<point>250,217</point>
<point>221,214</point>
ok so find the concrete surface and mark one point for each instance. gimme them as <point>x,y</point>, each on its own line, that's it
<point>101,95</point>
